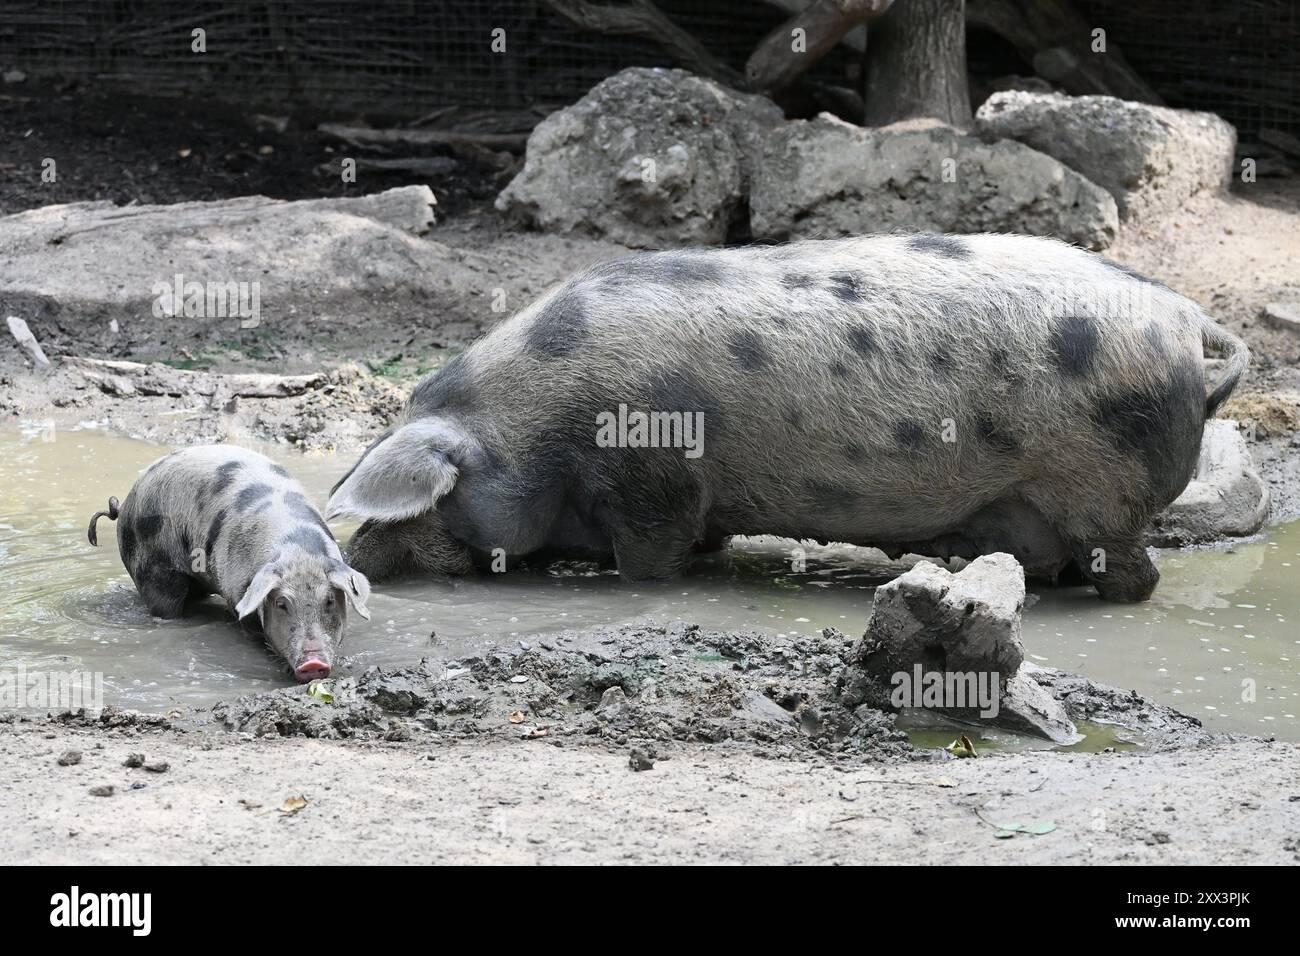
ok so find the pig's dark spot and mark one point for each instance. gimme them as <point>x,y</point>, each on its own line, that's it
<point>908,434</point>
<point>839,369</point>
<point>148,526</point>
<point>793,416</point>
<point>862,339</point>
<point>1074,343</point>
<point>677,390</point>
<point>950,247</point>
<point>1131,273</point>
<point>301,509</point>
<point>251,495</point>
<point>225,476</point>
<point>560,327</point>
<point>126,543</point>
<point>797,281</point>
<point>854,452</point>
<point>214,531</point>
<point>308,538</point>
<point>941,361</point>
<point>844,286</point>
<point>748,350</point>
<point>995,436</point>
<point>451,387</point>
<point>280,470</point>
<point>1159,424</point>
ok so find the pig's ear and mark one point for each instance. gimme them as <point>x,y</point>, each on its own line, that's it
<point>263,581</point>
<point>401,477</point>
<point>353,584</point>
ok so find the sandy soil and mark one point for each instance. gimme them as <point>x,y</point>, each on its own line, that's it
<point>535,802</point>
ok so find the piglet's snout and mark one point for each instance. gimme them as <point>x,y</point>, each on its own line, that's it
<point>311,669</point>
<point>314,663</point>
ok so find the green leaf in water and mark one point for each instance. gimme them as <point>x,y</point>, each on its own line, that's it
<point>318,690</point>
<point>961,747</point>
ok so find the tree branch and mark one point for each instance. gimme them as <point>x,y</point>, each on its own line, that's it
<point>776,63</point>
<point>641,18</point>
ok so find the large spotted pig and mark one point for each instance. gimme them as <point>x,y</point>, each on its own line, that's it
<point>218,519</point>
<point>941,394</point>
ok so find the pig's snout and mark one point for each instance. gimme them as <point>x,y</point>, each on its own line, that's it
<point>313,668</point>
<point>313,663</point>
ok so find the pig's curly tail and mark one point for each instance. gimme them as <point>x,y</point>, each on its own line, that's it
<point>111,514</point>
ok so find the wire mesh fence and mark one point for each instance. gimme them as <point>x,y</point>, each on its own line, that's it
<point>403,56</point>
<point>1240,59</point>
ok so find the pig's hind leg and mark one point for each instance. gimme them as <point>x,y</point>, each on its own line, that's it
<point>164,589</point>
<point>653,555</point>
<point>1119,568</point>
<point>1105,539</point>
<point>418,545</point>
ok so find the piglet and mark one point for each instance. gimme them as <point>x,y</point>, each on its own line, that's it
<point>218,519</point>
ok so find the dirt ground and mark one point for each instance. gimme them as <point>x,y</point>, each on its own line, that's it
<point>629,745</point>
<point>220,802</point>
<point>752,762</point>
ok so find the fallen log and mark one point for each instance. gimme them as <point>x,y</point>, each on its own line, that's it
<point>123,378</point>
<point>19,330</point>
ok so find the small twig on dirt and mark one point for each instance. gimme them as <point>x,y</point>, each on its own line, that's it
<point>984,819</point>
<point>431,166</point>
<point>363,136</point>
<point>19,330</point>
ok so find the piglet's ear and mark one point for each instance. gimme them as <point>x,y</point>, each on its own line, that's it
<point>354,585</point>
<point>263,581</point>
<point>401,477</point>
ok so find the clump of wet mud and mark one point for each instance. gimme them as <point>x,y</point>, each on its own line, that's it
<point>648,688</point>
<point>1158,727</point>
<point>641,686</point>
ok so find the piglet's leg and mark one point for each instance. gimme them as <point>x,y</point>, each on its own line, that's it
<point>164,589</point>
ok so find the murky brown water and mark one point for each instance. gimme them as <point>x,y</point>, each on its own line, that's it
<point>1221,619</point>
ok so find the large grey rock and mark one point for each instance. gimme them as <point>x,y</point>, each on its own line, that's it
<point>932,621</point>
<point>1150,158</point>
<point>1226,497</point>
<point>968,621</point>
<point>93,267</point>
<point>825,177</point>
<point>587,167</point>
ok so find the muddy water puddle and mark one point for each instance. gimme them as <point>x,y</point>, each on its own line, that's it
<point>1219,641</point>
